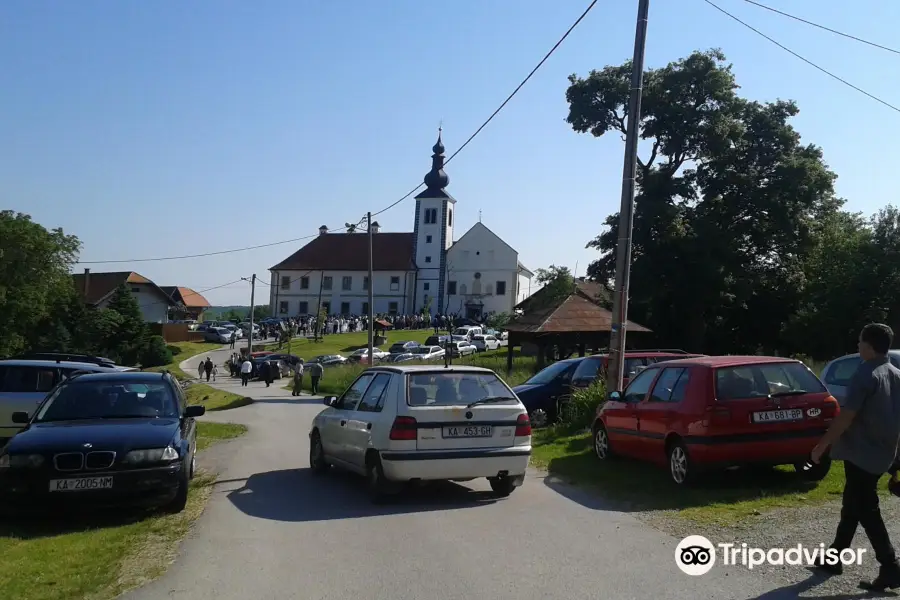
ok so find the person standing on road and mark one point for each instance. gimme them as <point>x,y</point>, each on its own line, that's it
<point>215,371</point>
<point>265,372</point>
<point>233,339</point>
<point>208,367</point>
<point>246,369</point>
<point>298,380</point>
<point>865,435</point>
<point>315,374</point>
<point>200,368</point>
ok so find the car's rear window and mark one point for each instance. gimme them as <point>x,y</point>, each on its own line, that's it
<point>766,379</point>
<point>456,388</point>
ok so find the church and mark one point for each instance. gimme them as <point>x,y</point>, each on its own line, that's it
<point>427,269</point>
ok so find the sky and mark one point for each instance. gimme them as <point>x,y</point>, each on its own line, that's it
<point>157,129</point>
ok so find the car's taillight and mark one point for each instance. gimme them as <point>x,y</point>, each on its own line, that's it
<point>404,429</point>
<point>523,426</point>
<point>831,408</point>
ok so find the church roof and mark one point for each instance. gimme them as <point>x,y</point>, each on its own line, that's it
<point>350,252</point>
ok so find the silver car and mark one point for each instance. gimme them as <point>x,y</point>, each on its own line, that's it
<point>24,384</point>
<point>837,374</point>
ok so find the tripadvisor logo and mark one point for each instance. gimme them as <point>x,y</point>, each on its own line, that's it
<point>696,555</point>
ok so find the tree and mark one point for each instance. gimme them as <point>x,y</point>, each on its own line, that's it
<point>131,334</point>
<point>260,312</point>
<point>557,281</point>
<point>35,266</point>
<point>725,208</point>
<point>498,320</point>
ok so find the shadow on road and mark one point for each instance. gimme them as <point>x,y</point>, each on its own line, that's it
<point>794,590</point>
<point>296,495</point>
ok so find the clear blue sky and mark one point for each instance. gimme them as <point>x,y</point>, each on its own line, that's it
<point>165,128</point>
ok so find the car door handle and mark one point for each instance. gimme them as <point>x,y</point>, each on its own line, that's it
<point>343,423</point>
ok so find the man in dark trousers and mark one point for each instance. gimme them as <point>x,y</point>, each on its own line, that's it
<point>233,339</point>
<point>315,374</point>
<point>265,372</point>
<point>865,436</point>
<point>208,367</point>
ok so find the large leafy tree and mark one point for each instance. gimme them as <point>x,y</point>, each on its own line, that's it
<point>726,201</point>
<point>34,275</point>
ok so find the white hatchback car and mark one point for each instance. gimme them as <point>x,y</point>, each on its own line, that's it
<point>399,424</point>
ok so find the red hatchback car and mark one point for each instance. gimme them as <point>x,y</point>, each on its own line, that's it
<point>714,412</point>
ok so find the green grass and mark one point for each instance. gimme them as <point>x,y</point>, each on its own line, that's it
<point>721,498</point>
<point>213,399</point>
<point>98,558</point>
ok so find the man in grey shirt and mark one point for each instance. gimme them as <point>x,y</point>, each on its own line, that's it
<point>865,436</point>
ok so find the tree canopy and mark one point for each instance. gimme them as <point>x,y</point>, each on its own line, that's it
<point>735,218</point>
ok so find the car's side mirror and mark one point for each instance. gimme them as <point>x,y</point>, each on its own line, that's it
<point>614,397</point>
<point>330,400</point>
<point>20,418</point>
<point>194,411</point>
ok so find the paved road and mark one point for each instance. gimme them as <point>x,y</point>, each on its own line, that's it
<point>272,531</point>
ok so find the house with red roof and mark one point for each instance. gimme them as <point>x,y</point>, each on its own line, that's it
<point>189,304</point>
<point>97,290</point>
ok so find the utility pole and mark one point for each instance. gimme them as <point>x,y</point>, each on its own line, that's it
<point>252,307</point>
<point>626,212</point>
<point>319,305</point>
<point>371,315</point>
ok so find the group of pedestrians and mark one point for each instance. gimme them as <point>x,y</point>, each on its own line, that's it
<point>243,366</point>
<point>316,370</point>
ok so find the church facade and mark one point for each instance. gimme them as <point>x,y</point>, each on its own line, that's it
<point>427,269</point>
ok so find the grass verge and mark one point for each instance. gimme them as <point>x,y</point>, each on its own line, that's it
<point>213,399</point>
<point>101,557</point>
<point>722,498</point>
<point>186,350</point>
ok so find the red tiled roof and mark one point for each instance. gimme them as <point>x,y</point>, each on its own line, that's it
<point>350,252</point>
<point>574,314</point>
<point>102,285</point>
<point>186,296</point>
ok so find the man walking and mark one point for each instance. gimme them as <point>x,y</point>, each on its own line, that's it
<point>298,380</point>
<point>246,369</point>
<point>208,367</point>
<point>315,374</point>
<point>865,436</point>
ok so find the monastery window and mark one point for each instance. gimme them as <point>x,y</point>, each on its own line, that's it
<point>347,285</point>
<point>327,282</point>
<point>365,283</point>
<point>428,259</point>
<point>283,307</point>
<point>426,286</point>
<point>304,283</point>
<point>427,239</point>
<point>303,308</point>
<point>501,288</point>
<point>285,282</point>
<point>395,284</point>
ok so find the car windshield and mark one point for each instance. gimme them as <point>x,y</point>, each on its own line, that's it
<point>548,374</point>
<point>107,400</point>
<point>766,379</point>
<point>456,388</point>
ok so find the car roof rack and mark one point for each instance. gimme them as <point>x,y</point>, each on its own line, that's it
<point>60,357</point>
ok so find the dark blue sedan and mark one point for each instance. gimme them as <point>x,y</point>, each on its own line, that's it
<point>544,394</point>
<point>101,439</point>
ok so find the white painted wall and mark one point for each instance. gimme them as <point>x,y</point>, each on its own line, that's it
<point>153,303</point>
<point>526,288</point>
<point>387,296</point>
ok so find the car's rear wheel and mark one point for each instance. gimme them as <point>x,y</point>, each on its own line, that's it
<point>317,461</point>
<point>376,483</point>
<point>602,449</point>
<point>680,468</point>
<point>813,471</point>
<point>502,486</point>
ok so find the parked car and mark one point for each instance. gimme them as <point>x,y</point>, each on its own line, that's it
<point>838,373</point>
<point>217,335</point>
<point>330,360</point>
<point>24,383</point>
<point>437,340</point>
<point>546,393</point>
<point>718,411</point>
<point>403,347</point>
<point>396,424</point>
<point>427,353</point>
<point>485,342</point>
<point>459,349</point>
<point>103,438</point>
<point>234,329</point>
<point>361,355</point>
<point>595,366</point>
<point>290,359</point>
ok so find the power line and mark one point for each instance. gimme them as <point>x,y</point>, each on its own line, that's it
<point>807,61</point>
<point>823,27</point>
<point>201,292</point>
<point>396,202</point>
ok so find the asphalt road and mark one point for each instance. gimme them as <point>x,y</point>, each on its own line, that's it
<point>273,531</point>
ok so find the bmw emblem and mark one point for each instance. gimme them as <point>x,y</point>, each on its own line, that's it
<point>469,414</point>
<point>88,445</point>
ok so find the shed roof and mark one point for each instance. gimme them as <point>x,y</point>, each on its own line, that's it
<point>575,313</point>
<point>350,252</point>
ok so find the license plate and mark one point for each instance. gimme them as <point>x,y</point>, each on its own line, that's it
<point>82,484</point>
<point>775,416</point>
<point>468,431</point>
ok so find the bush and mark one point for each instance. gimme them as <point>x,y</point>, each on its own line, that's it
<point>175,350</point>
<point>579,413</point>
<point>156,353</point>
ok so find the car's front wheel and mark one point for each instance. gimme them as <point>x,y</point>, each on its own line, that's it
<point>179,502</point>
<point>317,461</point>
<point>602,448</point>
<point>680,468</point>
